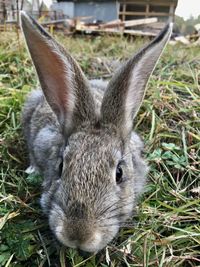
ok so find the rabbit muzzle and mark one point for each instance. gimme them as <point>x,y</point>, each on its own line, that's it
<point>83,234</point>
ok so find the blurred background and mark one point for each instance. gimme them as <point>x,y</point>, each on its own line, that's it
<point>120,15</point>
<point>100,35</point>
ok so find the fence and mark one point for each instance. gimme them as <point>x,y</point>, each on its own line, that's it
<point>12,15</point>
<point>9,19</point>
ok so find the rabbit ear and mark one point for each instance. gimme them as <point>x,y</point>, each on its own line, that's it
<point>63,83</point>
<point>126,89</point>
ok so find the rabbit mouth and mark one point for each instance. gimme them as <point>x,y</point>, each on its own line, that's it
<point>81,232</point>
<point>92,244</point>
<point>86,235</point>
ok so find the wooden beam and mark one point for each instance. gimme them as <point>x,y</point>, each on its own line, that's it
<point>154,14</point>
<point>140,33</point>
<point>147,10</point>
<point>112,24</point>
<point>148,1</point>
<point>135,22</point>
<point>124,10</point>
<point>172,11</point>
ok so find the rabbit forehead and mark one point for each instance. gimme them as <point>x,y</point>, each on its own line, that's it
<point>91,157</point>
<point>89,165</point>
<point>95,145</point>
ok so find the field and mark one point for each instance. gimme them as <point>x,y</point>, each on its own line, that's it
<point>165,230</point>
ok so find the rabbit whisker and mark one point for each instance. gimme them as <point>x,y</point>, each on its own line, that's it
<point>118,206</point>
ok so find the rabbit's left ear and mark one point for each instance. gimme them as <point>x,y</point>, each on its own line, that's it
<point>126,89</point>
<point>64,85</point>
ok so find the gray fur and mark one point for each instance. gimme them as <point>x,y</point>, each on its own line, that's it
<point>85,129</point>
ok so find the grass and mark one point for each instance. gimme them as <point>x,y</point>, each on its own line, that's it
<point>166,229</point>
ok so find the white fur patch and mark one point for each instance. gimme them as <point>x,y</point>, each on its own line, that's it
<point>93,244</point>
<point>30,170</point>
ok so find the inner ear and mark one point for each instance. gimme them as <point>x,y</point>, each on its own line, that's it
<point>126,89</point>
<point>64,85</point>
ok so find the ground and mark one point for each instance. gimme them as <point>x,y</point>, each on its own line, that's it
<point>165,230</point>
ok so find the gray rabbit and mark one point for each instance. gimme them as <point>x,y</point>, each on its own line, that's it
<point>80,139</point>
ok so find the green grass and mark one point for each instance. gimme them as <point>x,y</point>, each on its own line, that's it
<point>165,231</point>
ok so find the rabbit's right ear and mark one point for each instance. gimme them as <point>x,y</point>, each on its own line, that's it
<point>126,89</point>
<point>63,83</point>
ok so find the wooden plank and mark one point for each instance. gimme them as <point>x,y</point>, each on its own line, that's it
<point>91,30</point>
<point>140,33</point>
<point>116,21</point>
<point>59,21</point>
<point>147,10</point>
<point>135,22</point>
<point>155,14</point>
<point>124,10</point>
<point>112,24</point>
<point>148,1</point>
<point>172,10</point>
<point>115,31</point>
<point>156,26</point>
<point>155,3</point>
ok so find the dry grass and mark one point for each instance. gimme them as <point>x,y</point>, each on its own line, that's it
<point>166,229</point>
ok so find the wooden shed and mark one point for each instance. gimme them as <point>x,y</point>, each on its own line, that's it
<point>164,10</point>
<point>109,10</point>
<point>97,10</point>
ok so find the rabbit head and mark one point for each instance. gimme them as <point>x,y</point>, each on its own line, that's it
<point>102,171</point>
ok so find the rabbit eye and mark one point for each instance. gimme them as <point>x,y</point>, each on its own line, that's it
<point>119,175</point>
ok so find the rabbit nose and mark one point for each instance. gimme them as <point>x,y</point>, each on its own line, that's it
<point>80,232</point>
<point>80,225</point>
<point>85,237</point>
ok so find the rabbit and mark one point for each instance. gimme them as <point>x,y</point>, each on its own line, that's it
<point>80,139</point>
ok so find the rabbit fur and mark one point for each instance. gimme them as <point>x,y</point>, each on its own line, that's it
<point>80,139</point>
